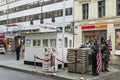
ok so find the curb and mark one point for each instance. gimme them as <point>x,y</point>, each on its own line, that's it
<point>35,73</point>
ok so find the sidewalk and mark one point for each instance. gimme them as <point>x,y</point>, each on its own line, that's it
<point>20,66</point>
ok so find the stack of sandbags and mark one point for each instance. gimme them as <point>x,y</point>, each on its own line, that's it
<point>82,56</point>
<point>71,57</point>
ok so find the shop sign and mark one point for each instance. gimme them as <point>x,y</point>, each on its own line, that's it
<point>47,28</point>
<point>88,27</point>
<point>100,26</point>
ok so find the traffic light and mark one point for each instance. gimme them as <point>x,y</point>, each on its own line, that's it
<point>53,17</point>
<point>31,21</point>
<point>41,20</point>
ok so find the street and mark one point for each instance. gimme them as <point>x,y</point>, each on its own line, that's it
<point>16,74</point>
<point>7,74</point>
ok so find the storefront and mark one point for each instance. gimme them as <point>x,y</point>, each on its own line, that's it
<point>117,38</point>
<point>90,32</point>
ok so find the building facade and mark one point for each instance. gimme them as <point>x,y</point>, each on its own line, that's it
<point>97,18</point>
<point>21,12</point>
<point>19,15</point>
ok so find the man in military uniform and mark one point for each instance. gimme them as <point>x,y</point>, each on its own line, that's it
<point>95,50</point>
<point>105,56</point>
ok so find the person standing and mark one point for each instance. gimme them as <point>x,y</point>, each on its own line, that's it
<point>95,50</point>
<point>18,52</point>
<point>105,56</point>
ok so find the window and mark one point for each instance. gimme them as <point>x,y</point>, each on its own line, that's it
<point>66,42</point>
<point>69,11</point>
<point>21,8</point>
<point>53,43</point>
<point>45,43</point>
<point>36,42</point>
<point>28,42</point>
<point>101,9</point>
<point>117,40</point>
<point>60,43</point>
<point>11,10</point>
<point>45,15</point>
<point>85,8</point>
<point>118,7</point>
<point>12,20</point>
<point>70,43</point>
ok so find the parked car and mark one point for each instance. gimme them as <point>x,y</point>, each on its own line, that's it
<point>2,49</point>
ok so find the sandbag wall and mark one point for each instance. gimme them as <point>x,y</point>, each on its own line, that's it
<point>72,57</point>
<point>82,55</point>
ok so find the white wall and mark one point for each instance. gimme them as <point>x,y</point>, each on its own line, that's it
<point>30,51</point>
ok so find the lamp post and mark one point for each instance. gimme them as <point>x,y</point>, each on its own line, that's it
<point>7,22</point>
<point>41,16</point>
<point>63,31</point>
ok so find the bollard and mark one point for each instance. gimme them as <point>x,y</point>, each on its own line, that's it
<point>34,63</point>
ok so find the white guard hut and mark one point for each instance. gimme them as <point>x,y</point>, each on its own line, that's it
<point>35,43</point>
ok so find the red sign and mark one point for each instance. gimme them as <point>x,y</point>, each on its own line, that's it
<point>88,27</point>
<point>2,35</point>
<point>11,25</point>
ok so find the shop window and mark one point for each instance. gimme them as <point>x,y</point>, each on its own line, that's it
<point>53,42</point>
<point>118,40</point>
<point>90,36</point>
<point>45,43</point>
<point>28,42</point>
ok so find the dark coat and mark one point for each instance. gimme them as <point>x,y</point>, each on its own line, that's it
<point>105,52</point>
<point>18,49</point>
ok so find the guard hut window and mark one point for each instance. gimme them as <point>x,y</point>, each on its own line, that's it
<point>66,42</point>
<point>36,42</point>
<point>45,42</point>
<point>28,42</point>
<point>70,43</point>
<point>52,42</point>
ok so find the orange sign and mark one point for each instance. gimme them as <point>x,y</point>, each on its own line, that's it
<point>101,26</point>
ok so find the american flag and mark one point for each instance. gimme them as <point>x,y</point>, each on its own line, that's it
<point>99,62</point>
<point>110,45</point>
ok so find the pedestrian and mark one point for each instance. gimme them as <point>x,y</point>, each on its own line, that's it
<point>18,52</point>
<point>95,50</point>
<point>105,56</point>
